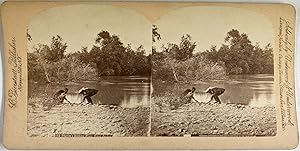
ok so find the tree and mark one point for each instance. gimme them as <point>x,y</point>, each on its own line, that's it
<point>35,69</point>
<point>83,55</point>
<point>168,62</point>
<point>112,58</point>
<point>240,56</point>
<point>155,37</point>
<point>47,55</point>
<point>28,36</point>
<point>55,51</point>
<point>155,34</point>
<point>109,55</point>
<point>267,61</point>
<point>141,62</point>
<point>183,51</point>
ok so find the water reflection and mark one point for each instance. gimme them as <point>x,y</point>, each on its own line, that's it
<point>129,91</point>
<point>74,98</point>
<point>202,97</point>
<point>133,91</point>
<point>253,90</point>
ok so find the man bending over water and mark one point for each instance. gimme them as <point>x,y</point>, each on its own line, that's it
<point>87,93</point>
<point>215,93</point>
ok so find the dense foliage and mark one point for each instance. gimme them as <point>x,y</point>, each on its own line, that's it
<point>112,58</point>
<point>240,56</point>
<point>173,62</point>
<point>108,57</point>
<point>179,62</point>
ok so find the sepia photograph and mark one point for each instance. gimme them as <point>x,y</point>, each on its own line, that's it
<point>89,71</point>
<point>148,75</point>
<point>213,73</point>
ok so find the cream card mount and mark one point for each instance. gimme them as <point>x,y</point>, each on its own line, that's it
<point>148,75</point>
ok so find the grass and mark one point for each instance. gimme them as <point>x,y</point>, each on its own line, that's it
<point>170,100</point>
<point>46,102</point>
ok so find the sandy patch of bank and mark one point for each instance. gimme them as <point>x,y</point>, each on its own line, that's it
<point>101,120</point>
<point>213,120</point>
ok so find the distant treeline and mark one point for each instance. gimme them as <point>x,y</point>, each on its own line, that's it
<point>179,62</point>
<point>108,57</point>
<point>240,56</point>
<point>173,62</point>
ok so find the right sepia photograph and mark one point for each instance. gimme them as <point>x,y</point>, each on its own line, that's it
<point>213,73</point>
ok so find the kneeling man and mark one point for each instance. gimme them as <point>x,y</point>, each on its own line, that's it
<point>189,95</point>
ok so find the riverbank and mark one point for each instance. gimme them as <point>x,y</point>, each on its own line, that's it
<point>91,120</point>
<point>212,119</point>
<point>254,90</point>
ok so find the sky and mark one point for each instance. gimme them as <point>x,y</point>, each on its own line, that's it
<point>79,25</point>
<point>209,26</point>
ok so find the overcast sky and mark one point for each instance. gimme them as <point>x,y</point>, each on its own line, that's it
<point>79,25</point>
<point>209,25</point>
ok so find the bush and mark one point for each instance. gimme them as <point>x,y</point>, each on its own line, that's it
<point>199,68</point>
<point>35,69</point>
<point>68,68</point>
<point>71,69</point>
<point>195,68</point>
<point>236,70</point>
<point>170,100</point>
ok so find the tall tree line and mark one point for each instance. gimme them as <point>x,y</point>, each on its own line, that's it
<point>240,56</point>
<point>108,57</point>
<point>180,62</point>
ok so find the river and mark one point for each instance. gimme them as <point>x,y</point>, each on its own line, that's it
<point>133,91</point>
<point>125,91</point>
<point>253,90</point>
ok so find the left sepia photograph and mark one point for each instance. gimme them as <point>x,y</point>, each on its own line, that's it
<point>89,71</point>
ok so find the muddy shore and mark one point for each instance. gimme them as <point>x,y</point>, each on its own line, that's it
<point>213,119</point>
<point>194,119</point>
<point>87,120</point>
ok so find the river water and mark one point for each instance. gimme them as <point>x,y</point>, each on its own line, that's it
<point>133,91</point>
<point>253,90</point>
<point>126,91</point>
